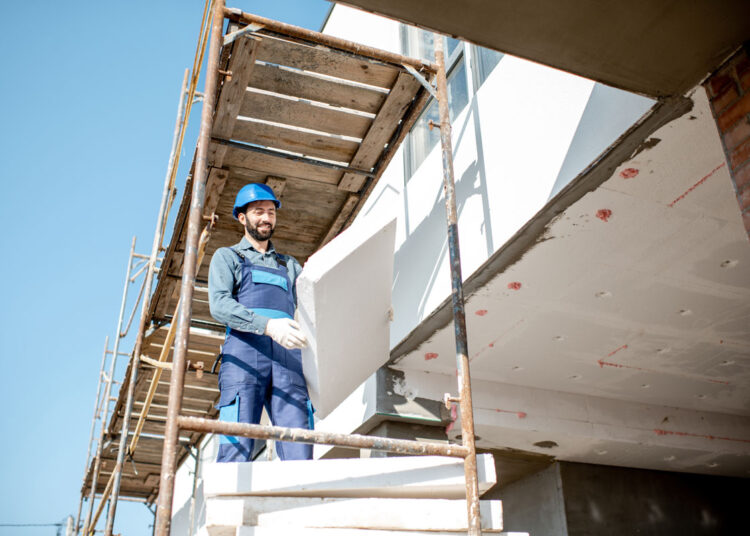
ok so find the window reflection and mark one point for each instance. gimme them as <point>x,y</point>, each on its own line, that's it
<point>421,44</point>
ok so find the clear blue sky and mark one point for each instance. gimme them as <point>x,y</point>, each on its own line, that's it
<point>89,92</point>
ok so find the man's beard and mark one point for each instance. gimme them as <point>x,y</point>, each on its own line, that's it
<point>257,234</point>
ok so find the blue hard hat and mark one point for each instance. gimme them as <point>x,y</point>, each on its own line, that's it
<point>254,191</point>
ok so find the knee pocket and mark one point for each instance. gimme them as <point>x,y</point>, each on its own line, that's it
<point>235,405</point>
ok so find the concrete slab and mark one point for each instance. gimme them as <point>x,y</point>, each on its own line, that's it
<point>344,299</point>
<point>414,477</point>
<point>378,514</point>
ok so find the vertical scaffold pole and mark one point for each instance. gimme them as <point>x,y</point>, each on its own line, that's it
<point>459,315</point>
<point>97,402</point>
<point>177,380</point>
<point>123,447</point>
<point>108,390</point>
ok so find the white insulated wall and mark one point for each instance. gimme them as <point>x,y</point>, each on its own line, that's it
<point>509,142</point>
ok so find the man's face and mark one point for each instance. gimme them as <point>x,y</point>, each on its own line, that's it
<point>259,219</point>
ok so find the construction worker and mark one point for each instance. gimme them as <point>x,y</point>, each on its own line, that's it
<point>252,291</point>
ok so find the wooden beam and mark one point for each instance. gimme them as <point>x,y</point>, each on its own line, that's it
<point>382,129</point>
<point>217,179</point>
<point>241,65</point>
<point>277,184</point>
<point>406,124</point>
<point>338,223</point>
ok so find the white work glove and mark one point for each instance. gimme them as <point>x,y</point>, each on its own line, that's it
<point>286,332</point>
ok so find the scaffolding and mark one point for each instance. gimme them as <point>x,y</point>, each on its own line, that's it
<point>320,116</point>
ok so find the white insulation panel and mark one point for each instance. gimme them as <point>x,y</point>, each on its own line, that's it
<point>344,301</point>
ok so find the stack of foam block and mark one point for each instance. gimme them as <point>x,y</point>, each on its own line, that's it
<point>340,497</point>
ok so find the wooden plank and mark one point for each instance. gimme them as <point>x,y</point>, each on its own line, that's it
<point>344,212</point>
<point>241,65</point>
<point>303,114</point>
<point>308,86</point>
<point>273,165</point>
<point>326,61</point>
<point>382,129</point>
<point>217,179</point>
<point>406,124</point>
<point>277,184</point>
<point>307,143</point>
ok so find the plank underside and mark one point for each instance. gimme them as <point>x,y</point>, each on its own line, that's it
<point>300,113</point>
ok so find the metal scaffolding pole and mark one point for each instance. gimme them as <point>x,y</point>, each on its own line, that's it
<point>177,380</point>
<point>147,284</point>
<point>459,315</point>
<point>97,402</point>
<point>108,390</point>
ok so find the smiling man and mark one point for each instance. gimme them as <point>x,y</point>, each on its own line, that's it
<point>252,291</point>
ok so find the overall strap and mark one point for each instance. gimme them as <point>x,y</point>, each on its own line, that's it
<point>280,260</point>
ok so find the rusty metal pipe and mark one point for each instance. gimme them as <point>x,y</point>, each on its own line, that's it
<point>124,333</point>
<point>91,433</point>
<point>108,390</point>
<point>302,435</point>
<point>147,285</point>
<point>118,466</point>
<point>195,220</point>
<point>330,41</point>
<point>459,315</point>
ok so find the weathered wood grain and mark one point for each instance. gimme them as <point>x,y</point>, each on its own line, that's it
<point>241,65</point>
<point>299,113</point>
<point>344,212</point>
<point>317,145</point>
<point>382,129</point>
<point>307,86</point>
<point>326,61</point>
<point>280,167</point>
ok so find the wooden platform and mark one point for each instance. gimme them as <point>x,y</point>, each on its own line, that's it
<point>316,123</point>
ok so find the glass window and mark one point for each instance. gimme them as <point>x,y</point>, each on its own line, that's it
<point>485,60</point>
<point>422,138</point>
<point>420,43</point>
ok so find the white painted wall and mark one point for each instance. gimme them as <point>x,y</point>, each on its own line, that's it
<point>183,489</point>
<point>510,144</point>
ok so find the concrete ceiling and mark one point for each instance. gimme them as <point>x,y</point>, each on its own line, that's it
<point>653,48</point>
<point>620,333</point>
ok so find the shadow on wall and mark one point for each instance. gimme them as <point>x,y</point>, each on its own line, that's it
<point>181,518</point>
<point>417,262</point>
<point>608,114</point>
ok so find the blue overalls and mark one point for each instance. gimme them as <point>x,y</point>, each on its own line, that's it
<point>257,371</point>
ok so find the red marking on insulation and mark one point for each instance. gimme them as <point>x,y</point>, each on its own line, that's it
<point>694,186</point>
<point>659,431</point>
<point>515,285</point>
<point>602,363</point>
<point>430,355</point>
<point>481,312</point>
<point>519,414</point>
<point>613,352</point>
<point>629,173</point>
<point>604,214</point>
